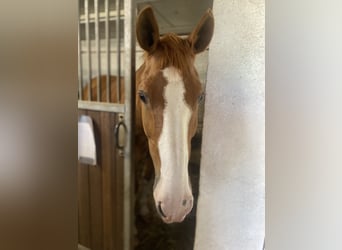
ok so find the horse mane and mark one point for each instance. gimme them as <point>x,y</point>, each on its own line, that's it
<point>171,50</point>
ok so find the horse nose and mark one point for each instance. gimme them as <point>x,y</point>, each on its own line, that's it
<point>171,212</point>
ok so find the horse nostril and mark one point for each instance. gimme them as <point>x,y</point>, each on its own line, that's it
<point>160,211</point>
<point>184,203</point>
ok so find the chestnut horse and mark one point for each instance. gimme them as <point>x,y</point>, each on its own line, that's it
<point>169,92</point>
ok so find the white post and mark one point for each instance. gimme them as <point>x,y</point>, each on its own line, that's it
<point>231,205</point>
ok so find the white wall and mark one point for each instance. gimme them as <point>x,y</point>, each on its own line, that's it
<point>231,202</point>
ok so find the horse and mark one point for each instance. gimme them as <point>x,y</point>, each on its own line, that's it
<point>168,96</point>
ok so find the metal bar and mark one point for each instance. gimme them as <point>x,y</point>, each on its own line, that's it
<point>129,46</point>
<point>102,16</point>
<point>118,52</point>
<point>108,51</point>
<point>86,11</point>
<point>80,69</point>
<point>102,51</point>
<point>101,106</point>
<point>97,37</point>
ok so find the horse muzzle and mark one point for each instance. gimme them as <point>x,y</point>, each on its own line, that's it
<point>173,206</point>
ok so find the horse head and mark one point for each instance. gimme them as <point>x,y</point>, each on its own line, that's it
<point>169,92</point>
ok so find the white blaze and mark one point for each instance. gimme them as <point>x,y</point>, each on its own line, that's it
<point>173,141</point>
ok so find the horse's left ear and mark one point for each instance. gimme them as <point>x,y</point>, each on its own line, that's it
<point>201,36</point>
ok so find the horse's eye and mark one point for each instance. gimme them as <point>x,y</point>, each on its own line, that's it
<point>201,97</point>
<point>142,96</point>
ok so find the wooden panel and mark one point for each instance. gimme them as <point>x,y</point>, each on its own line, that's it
<point>118,202</point>
<point>95,189</point>
<point>101,189</point>
<point>108,166</point>
<point>83,202</point>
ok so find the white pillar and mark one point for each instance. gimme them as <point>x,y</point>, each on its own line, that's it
<point>232,183</point>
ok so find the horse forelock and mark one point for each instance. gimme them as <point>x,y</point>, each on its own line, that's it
<point>171,50</point>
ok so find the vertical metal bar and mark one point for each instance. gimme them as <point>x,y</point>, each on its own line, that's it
<point>86,12</point>
<point>97,37</point>
<point>107,50</point>
<point>118,52</point>
<point>129,47</point>
<point>80,69</point>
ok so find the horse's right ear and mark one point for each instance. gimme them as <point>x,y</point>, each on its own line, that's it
<point>147,29</point>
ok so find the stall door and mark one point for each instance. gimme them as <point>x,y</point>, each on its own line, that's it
<point>105,190</point>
